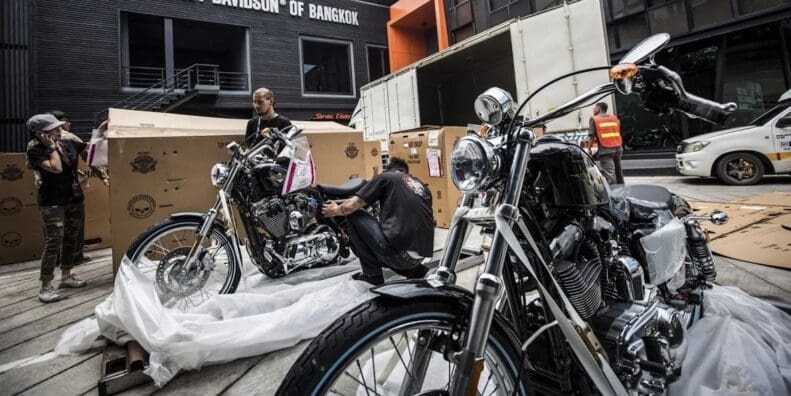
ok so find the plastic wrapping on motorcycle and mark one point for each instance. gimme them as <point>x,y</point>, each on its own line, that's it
<point>271,314</point>
<point>665,251</point>
<point>742,345</point>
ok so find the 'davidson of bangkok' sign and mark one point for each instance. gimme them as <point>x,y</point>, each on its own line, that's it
<point>296,8</point>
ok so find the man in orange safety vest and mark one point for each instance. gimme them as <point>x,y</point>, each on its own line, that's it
<point>606,128</point>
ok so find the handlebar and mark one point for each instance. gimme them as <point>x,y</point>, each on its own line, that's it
<point>667,91</point>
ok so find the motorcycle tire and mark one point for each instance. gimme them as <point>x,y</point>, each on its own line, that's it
<point>338,346</point>
<point>218,231</point>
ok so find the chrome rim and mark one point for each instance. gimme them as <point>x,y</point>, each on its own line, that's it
<point>162,257</point>
<point>740,169</point>
<point>390,365</point>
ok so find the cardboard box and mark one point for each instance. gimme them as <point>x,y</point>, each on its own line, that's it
<point>415,147</point>
<point>372,150</point>
<point>160,164</point>
<point>21,230</point>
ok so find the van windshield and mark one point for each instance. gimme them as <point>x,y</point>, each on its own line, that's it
<point>765,117</point>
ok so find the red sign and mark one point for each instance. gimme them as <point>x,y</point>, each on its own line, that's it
<point>331,117</point>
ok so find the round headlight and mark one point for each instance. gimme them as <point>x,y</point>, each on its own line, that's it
<point>493,105</point>
<point>219,172</point>
<point>473,164</point>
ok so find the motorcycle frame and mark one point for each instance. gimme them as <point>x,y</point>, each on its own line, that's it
<point>489,286</point>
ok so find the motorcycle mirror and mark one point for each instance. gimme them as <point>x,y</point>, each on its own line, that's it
<point>646,48</point>
<point>294,132</point>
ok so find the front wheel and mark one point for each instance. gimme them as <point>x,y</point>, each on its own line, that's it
<point>161,253</point>
<point>386,347</point>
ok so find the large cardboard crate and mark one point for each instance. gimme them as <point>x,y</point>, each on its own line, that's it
<point>414,147</point>
<point>21,229</point>
<point>160,164</point>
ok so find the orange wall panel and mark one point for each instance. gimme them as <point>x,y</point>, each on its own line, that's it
<point>406,27</point>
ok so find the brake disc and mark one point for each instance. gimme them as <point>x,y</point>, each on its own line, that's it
<point>174,279</point>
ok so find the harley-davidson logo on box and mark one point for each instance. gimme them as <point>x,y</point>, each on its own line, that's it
<point>141,206</point>
<point>352,151</point>
<point>143,163</point>
<point>10,206</point>
<point>12,173</point>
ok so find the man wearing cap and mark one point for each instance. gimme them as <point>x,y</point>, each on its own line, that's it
<point>79,255</point>
<point>60,200</point>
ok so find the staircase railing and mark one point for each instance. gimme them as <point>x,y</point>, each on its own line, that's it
<point>169,87</point>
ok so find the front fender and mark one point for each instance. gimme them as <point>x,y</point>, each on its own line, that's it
<point>183,215</point>
<point>409,289</point>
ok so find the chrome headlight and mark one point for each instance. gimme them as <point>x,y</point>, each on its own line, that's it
<point>473,164</point>
<point>219,173</point>
<point>493,105</point>
<point>695,146</point>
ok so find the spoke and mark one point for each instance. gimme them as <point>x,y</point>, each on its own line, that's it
<point>362,376</point>
<point>486,385</point>
<point>401,358</point>
<point>494,390</point>
<point>332,390</point>
<point>367,389</point>
<point>373,367</point>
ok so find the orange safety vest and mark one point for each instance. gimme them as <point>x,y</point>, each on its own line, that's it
<point>608,130</point>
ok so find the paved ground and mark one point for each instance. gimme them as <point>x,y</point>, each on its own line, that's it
<point>29,330</point>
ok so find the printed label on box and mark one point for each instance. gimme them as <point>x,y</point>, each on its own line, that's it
<point>433,138</point>
<point>434,158</point>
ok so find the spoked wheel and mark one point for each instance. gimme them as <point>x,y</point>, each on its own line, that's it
<point>161,254</point>
<point>399,348</point>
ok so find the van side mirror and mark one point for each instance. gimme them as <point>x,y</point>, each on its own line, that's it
<point>784,122</point>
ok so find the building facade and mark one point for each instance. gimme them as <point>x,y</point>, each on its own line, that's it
<point>726,50</point>
<point>200,57</point>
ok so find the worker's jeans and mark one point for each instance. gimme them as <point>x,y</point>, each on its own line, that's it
<point>62,224</point>
<point>610,165</point>
<point>373,250</point>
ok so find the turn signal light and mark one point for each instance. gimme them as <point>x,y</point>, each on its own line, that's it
<point>623,71</point>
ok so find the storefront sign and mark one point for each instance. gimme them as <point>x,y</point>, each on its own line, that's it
<point>331,117</point>
<point>296,8</point>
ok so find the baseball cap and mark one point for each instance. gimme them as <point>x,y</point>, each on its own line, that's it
<point>43,122</point>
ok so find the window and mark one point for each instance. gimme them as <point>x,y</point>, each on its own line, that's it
<point>622,8</point>
<point>463,32</point>
<point>630,31</point>
<point>708,12</point>
<point>670,18</point>
<point>203,53</point>
<point>753,74</point>
<point>144,52</point>
<point>327,67</point>
<point>378,62</point>
<point>749,6</point>
<point>697,64</point>
<point>542,5</point>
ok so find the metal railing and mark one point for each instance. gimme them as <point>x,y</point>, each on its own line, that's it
<point>141,76</point>
<point>161,90</point>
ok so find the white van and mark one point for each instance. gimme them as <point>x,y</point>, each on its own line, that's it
<point>743,155</point>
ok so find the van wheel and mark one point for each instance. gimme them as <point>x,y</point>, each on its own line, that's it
<point>741,169</point>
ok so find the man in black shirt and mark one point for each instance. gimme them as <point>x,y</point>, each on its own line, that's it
<point>60,200</point>
<point>406,233</point>
<point>265,119</point>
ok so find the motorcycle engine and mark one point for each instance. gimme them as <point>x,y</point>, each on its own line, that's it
<point>281,217</point>
<point>644,339</point>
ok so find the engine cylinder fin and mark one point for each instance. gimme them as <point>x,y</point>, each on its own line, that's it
<point>581,284</point>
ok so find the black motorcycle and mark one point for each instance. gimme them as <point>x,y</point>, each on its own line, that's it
<point>193,256</point>
<point>587,289</point>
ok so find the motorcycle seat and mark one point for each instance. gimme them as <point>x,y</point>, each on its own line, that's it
<point>347,189</point>
<point>644,195</point>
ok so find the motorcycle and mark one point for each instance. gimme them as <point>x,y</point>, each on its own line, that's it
<point>587,288</point>
<point>194,256</point>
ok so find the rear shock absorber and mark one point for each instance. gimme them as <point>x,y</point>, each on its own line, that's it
<point>699,251</point>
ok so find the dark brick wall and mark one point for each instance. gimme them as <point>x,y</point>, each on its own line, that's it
<point>77,52</point>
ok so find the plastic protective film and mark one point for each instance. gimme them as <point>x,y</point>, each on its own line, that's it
<point>270,314</point>
<point>665,252</point>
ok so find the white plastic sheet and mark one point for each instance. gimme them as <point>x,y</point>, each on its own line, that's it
<point>741,346</point>
<point>665,251</point>
<point>271,314</point>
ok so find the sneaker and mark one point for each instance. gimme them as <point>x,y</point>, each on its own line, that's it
<point>47,294</point>
<point>81,259</point>
<point>374,280</point>
<point>73,282</point>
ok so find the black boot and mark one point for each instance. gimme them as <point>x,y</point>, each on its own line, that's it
<point>374,280</point>
<point>418,272</point>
